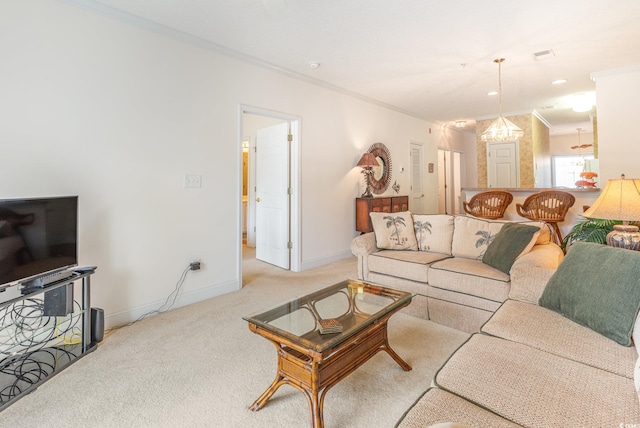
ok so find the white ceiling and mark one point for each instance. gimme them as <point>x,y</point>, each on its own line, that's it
<point>430,58</point>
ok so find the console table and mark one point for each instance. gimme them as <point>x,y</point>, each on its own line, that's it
<point>35,346</point>
<point>384,204</point>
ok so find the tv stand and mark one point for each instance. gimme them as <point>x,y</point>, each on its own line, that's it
<point>33,346</point>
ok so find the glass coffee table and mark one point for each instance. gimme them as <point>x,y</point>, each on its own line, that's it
<point>313,362</point>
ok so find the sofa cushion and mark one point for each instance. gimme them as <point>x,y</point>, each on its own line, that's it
<point>434,232</point>
<point>394,231</point>
<point>636,341</point>
<point>599,287</point>
<point>472,236</point>
<point>536,388</point>
<point>408,264</point>
<point>437,405</point>
<point>531,272</point>
<point>549,331</point>
<point>512,241</point>
<point>470,277</point>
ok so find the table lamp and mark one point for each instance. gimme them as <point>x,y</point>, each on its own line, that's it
<point>620,200</point>
<point>367,162</point>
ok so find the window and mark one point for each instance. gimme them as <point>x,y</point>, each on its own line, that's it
<point>567,169</point>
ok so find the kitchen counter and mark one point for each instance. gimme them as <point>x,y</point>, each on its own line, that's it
<point>584,198</point>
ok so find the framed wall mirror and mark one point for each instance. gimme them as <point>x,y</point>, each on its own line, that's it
<point>381,176</point>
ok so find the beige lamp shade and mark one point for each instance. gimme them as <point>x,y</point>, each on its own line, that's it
<point>620,200</point>
<point>368,160</point>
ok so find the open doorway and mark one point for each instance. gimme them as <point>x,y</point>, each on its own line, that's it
<point>268,191</point>
<point>449,181</point>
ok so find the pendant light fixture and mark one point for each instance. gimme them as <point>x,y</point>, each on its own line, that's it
<point>501,129</point>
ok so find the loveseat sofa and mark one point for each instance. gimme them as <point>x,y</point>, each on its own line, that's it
<point>442,260</point>
<point>562,357</point>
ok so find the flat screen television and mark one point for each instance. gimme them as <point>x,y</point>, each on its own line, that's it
<point>38,240</point>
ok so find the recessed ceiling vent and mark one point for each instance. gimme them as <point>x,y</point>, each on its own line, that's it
<point>539,56</point>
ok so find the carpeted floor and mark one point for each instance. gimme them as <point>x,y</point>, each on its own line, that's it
<point>201,366</point>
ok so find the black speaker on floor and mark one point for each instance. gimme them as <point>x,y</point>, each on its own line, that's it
<point>97,325</point>
<point>59,301</point>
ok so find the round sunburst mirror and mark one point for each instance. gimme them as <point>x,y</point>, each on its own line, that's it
<point>381,176</point>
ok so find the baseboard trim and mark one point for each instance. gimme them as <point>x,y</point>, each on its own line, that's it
<point>312,264</point>
<point>130,315</point>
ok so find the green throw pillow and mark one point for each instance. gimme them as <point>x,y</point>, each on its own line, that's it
<point>508,244</point>
<point>597,286</point>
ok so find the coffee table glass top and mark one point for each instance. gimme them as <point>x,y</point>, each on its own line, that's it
<point>353,304</point>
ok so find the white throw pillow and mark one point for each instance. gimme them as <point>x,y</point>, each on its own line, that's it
<point>472,236</point>
<point>394,231</point>
<point>545,230</point>
<point>544,237</point>
<point>434,232</point>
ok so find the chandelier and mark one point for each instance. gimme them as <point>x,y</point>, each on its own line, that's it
<point>501,129</point>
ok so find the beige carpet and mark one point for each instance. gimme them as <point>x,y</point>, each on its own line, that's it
<point>201,366</point>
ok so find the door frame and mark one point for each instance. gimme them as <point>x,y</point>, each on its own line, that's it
<point>294,177</point>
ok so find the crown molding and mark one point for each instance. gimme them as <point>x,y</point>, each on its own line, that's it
<point>507,115</point>
<point>613,72</point>
<point>163,30</point>
<point>540,118</point>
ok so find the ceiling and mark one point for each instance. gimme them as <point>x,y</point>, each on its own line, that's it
<point>432,59</point>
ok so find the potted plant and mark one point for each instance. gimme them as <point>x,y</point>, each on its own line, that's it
<point>589,230</point>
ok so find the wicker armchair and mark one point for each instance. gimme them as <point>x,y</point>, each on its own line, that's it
<point>549,206</point>
<point>490,204</point>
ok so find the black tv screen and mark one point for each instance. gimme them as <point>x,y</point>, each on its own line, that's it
<point>38,237</point>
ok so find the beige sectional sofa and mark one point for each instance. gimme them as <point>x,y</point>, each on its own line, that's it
<point>444,268</point>
<point>572,365</point>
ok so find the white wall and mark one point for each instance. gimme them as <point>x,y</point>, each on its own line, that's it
<point>618,92</point>
<point>117,115</point>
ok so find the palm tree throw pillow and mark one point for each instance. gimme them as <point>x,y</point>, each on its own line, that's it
<point>472,236</point>
<point>434,232</point>
<point>394,231</point>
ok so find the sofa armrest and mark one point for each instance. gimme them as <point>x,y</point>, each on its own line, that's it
<point>364,244</point>
<point>531,272</point>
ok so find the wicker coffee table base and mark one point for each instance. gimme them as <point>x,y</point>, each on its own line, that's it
<point>315,373</point>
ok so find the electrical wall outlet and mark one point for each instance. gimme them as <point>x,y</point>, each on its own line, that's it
<point>192,180</point>
<point>194,266</point>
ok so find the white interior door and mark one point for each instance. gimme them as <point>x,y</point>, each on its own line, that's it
<point>417,199</point>
<point>272,195</point>
<point>502,165</point>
